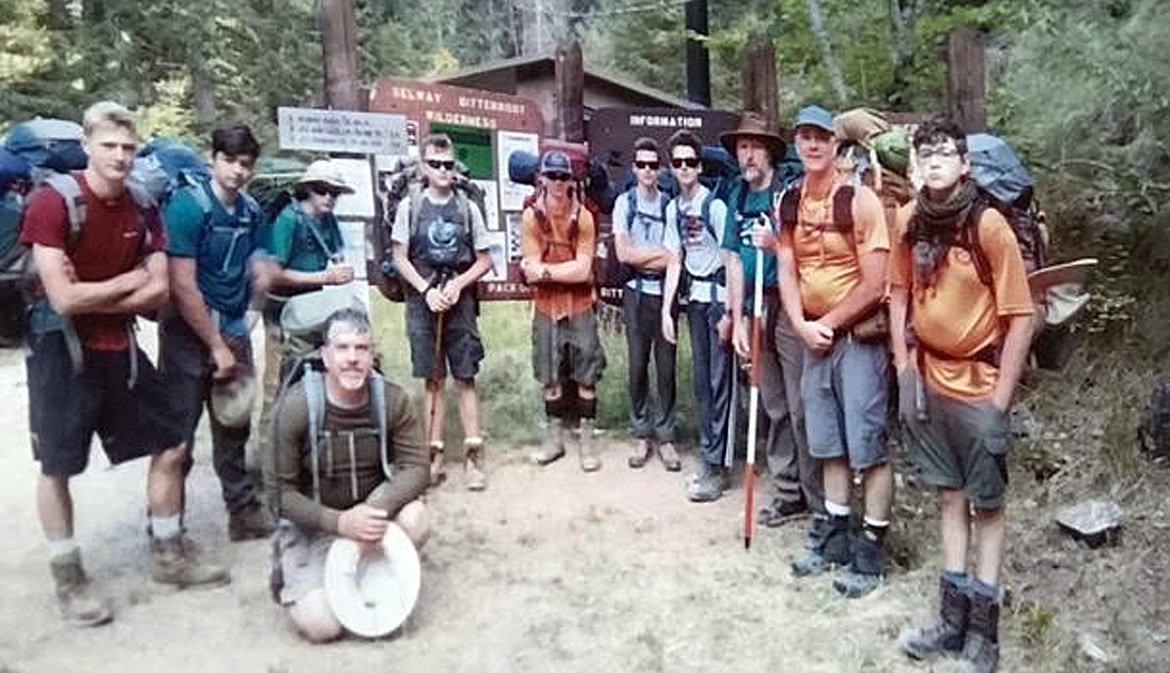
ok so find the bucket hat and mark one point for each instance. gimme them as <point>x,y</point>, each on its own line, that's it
<point>326,172</point>
<point>753,125</point>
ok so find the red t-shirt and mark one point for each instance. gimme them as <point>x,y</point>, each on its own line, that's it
<point>109,245</point>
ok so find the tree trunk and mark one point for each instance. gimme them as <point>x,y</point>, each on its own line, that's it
<point>58,17</point>
<point>761,89</point>
<point>816,19</point>
<point>338,27</point>
<point>202,89</point>
<point>93,11</point>
<point>903,16</point>
<point>545,23</point>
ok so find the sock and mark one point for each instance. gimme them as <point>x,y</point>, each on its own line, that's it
<point>62,548</point>
<point>587,408</point>
<point>554,409</point>
<point>165,527</point>
<point>875,530</point>
<point>984,590</point>
<point>833,509</point>
<point>473,442</point>
<point>959,579</point>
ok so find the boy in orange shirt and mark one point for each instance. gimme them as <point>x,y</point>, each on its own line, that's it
<point>961,321</point>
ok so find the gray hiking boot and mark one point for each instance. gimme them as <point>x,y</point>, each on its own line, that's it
<point>78,606</point>
<point>253,522</point>
<point>945,636</point>
<point>473,467</point>
<point>174,564</point>
<point>981,648</point>
<point>587,450</point>
<point>552,448</point>
<point>640,453</point>
<point>708,484</point>
<point>865,573</point>
<point>827,546</point>
<point>669,457</point>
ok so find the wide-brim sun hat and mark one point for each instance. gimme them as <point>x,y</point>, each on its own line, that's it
<point>753,125</point>
<point>373,589</point>
<point>232,401</point>
<point>324,171</point>
<point>1061,288</point>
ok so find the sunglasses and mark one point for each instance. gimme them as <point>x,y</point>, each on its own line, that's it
<point>559,177</point>
<point>437,164</point>
<point>940,152</point>
<point>325,190</point>
<point>689,162</point>
<point>652,165</point>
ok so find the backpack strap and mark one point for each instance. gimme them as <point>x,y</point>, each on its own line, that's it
<point>631,208</point>
<point>843,210</point>
<point>303,219</point>
<point>969,240</point>
<point>314,383</point>
<point>66,185</point>
<point>705,213</point>
<point>378,419</point>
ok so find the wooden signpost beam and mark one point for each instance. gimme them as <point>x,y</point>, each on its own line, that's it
<point>569,95</point>
<point>966,79</point>
<point>760,87</point>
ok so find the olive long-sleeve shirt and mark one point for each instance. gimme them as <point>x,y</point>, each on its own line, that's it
<point>349,465</point>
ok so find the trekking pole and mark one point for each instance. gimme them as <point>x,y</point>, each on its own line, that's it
<point>729,445</point>
<point>753,399</point>
<point>436,353</point>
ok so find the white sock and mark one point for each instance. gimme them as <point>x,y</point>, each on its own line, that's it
<point>61,548</point>
<point>836,510</point>
<point>877,523</point>
<point>164,527</point>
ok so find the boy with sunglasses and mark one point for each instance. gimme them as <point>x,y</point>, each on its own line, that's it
<point>639,223</point>
<point>694,233</point>
<point>440,249</point>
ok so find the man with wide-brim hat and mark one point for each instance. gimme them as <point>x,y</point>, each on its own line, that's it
<point>750,226</point>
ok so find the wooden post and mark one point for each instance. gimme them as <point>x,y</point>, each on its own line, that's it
<point>966,84</point>
<point>569,94</point>
<point>335,19</point>
<point>761,90</point>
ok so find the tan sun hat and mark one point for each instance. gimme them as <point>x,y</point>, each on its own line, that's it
<point>232,400</point>
<point>1062,289</point>
<point>326,172</point>
<point>373,590</point>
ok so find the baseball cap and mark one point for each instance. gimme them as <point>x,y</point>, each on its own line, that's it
<point>814,115</point>
<point>555,161</point>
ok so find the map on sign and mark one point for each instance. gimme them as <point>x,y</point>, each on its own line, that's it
<point>341,131</point>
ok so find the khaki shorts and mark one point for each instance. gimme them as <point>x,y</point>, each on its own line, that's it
<point>568,349</point>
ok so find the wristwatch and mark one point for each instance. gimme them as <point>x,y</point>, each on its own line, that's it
<point>545,276</point>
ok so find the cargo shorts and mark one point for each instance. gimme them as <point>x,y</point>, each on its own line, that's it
<point>845,393</point>
<point>568,349</point>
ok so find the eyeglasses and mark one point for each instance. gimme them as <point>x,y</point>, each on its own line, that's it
<point>441,164</point>
<point>321,189</point>
<point>689,162</point>
<point>559,177</point>
<point>940,152</point>
<point>643,165</point>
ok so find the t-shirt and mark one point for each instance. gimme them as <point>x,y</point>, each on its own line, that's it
<point>349,464</point>
<point>110,244</point>
<point>648,228</point>
<point>296,247</point>
<point>701,241</point>
<point>221,242</point>
<point>958,315</point>
<point>555,300</point>
<point>828,262</point>
<point>400,232</point>
<point>737,235</point>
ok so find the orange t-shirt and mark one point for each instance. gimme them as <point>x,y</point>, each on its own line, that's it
<point>959,315</point>
<point>828,262</point>
<point>555,300</point>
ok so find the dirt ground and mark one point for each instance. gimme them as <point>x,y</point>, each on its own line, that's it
<point>550,569</point>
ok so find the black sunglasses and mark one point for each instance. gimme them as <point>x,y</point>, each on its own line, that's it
<point>447,164</point>
<point>322,189</point>
<point>689,162</point>
<point>559,177</point>
<point>652,165</point>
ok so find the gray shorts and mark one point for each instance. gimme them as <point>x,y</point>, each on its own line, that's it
<point>845,394</point>
<point>298,559</point>
<point>961,445</point>
<point>459,347</point>
<point>568,349</point>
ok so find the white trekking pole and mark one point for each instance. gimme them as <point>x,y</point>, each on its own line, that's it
<point>753,399</point>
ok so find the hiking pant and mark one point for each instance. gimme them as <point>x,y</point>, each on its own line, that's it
<point>643,313</point>
<point>186,363</point>
<point>794,473</point>
<point>712,378</point>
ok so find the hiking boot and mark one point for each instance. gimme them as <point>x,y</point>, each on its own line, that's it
<point>473,469</point>
<point>250,523</point>
<point>780,512</point>
<point>78,606</point>
<point>174,564</point>
<point>865,573</point>
<point>640,453</point>
<point>827,546</point>
<point>981,648</point>
<point>708,484</point>
<point>587,450</point>
<point>669,457</point>
<point>552,448</point>
<point>438,474</point>
<point>945,636</point>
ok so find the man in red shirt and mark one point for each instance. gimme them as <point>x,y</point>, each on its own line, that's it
<point>98,251</point>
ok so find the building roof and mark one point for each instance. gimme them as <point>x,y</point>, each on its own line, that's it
<point>546,62</point>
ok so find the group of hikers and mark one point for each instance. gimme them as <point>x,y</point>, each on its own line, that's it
<point>851,293</point>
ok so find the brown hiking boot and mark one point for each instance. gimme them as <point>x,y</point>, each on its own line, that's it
<point>669,457</point>
<point>948,633</point>
<point>78,606</point>
<point>174,564</point>
<point>250,523</point>
<point>587,451</point>
<point>473,469</point>
<point>552,448</point>
<point>640,453</point>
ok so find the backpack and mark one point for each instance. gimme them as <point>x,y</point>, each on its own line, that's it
<point>614,272</point>
<point>164,166</point>
<point>1006,186</point>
